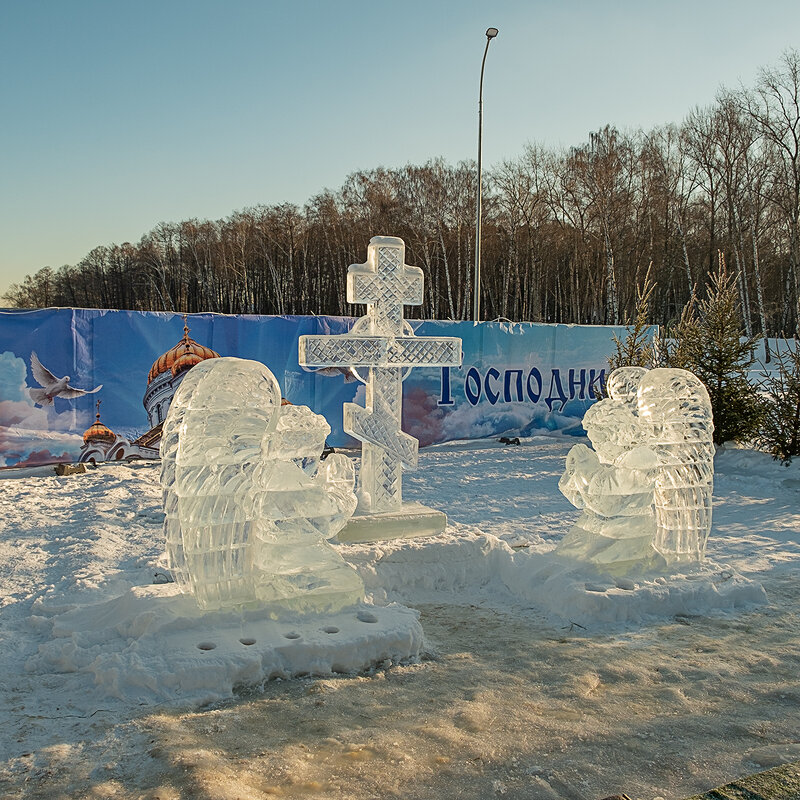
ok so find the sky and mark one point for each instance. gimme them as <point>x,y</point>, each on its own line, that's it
<point>117,116</point>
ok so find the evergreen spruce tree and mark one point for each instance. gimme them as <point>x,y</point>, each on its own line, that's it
<point>780,431</point>
<point>708,342</point>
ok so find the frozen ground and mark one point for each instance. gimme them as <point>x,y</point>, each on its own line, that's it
<point>523,689</point>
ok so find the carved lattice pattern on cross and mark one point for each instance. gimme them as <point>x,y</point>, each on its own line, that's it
<point>382,344</point>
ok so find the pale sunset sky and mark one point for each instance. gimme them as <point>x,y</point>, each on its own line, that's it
<point>117,116</point>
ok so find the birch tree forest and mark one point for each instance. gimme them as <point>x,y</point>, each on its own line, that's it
<point>567,235</point>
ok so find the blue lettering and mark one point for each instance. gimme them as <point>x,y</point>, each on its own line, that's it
<point>445,397</point>
<point>507,385</point>
<point>491,394</point>
<point>581,382</point>
<point>555,383</point>
<point>534,396</point>
<point>473,394</point>
<point>597,383</point>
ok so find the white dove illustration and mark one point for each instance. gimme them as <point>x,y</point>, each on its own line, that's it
<point>52,386</point>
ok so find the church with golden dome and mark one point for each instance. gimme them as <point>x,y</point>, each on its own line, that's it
<point>167,373</point>
<point>100,443</point>
<point>98,440</point>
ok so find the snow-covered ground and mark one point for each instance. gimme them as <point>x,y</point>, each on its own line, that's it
<point>532,681</point>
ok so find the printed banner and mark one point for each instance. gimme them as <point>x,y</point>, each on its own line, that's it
<point>89,384</point>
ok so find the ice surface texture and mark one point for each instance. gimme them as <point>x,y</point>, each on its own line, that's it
<point>676,405</point>
<point>646,487</point>
<point>381,348</point>
<point>248,503</point>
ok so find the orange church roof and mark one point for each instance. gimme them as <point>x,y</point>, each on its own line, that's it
<point>181,357</point>
<point>97,432</point>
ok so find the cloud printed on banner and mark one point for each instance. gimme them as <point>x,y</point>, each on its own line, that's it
<point>476,422</point>
<point>422,416</point>
<point>30,435</point>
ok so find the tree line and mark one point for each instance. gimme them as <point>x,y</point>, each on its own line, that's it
<point>567,234</point>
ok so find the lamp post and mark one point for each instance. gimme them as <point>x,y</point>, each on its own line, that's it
<point>476,297</point>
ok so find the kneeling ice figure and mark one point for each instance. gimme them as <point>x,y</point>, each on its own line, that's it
<point>646,491</point>
<point>613,484</point>
<point>248,503</point>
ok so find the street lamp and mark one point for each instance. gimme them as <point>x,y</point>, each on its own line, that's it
<point>476,297</point>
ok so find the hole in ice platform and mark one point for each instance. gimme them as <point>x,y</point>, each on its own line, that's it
<point>206,646</point>
<point>366,616</point>
<point>292,635</point>
<point>247,640</point>
<point>330,629</point>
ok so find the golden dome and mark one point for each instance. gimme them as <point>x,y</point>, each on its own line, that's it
<point>186,361</point>
<point>183,356</point>
<point>98,432</point>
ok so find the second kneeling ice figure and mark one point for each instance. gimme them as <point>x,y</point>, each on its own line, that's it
<point>646,488</point>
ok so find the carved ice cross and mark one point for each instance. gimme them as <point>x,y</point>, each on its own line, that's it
<point>385,344</point>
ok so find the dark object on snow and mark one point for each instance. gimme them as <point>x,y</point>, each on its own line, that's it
<point>326,451</point>
<point>617,797</point>
<point>506,440</point>
<point>162,577</point>
<point>70,469</point>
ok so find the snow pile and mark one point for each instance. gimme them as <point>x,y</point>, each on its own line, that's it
<point>152,644</point>
<point>155,644</point>
<point>459,565</point>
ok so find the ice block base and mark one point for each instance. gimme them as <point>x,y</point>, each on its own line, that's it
<point>408,522</point>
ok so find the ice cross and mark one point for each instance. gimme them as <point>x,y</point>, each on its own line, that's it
<point>385,344</point>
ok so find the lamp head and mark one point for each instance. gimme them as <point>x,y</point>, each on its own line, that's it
<point>491,33</point>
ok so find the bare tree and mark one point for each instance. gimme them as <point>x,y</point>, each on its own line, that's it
<point>774,105</point>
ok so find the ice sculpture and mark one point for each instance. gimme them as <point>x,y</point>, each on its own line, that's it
<point>676,405</point>
<point>613,484</point>
<point>381,349</point>
<point>248,504</point>
<point>645,489</point>
<point>623,384</point>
